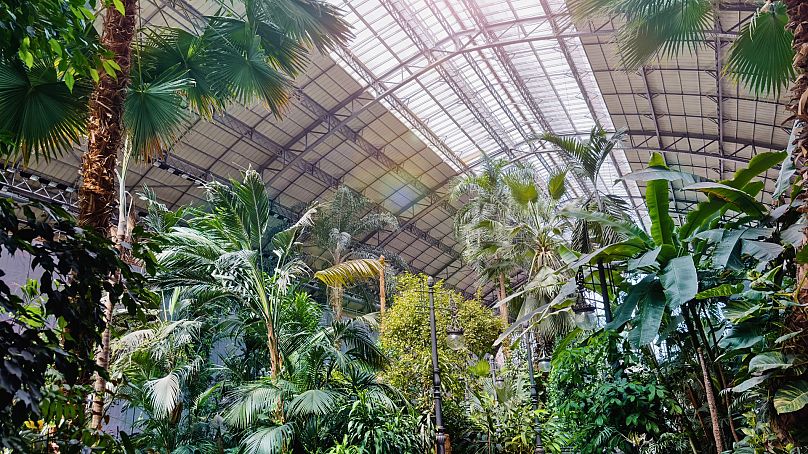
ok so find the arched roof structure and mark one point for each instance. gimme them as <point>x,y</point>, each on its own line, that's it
<point>427,86</point>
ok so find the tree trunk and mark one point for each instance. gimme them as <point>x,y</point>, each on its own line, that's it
<point>335,294</point>
<point>274,354</point>
<point>503,310</point>
<point>708,390</point>
<point>105,129</point>
<point>382,290</point>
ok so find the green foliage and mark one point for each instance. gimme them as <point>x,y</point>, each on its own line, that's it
<point>54,326</point>
<point>405,339</point>
<point>761,58</point>
<point>602,409</point>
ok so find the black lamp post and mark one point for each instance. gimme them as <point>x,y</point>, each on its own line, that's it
<point>455,341</point>
<point>534,393</point>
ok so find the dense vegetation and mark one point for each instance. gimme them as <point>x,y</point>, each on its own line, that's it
<point>219,328</point>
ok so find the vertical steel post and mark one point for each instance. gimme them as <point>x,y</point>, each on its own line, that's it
<point>604,292</point>
<point>440,431</point>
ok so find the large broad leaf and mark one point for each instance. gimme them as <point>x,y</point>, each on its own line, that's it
<point>737,199</point>
<point>663,174</point>
<point>767,361</point>
<point>787,170</point>
<point>623,227</point>
<point>625,311</point>
<point>764,252</point>
<point>750,383</point>
<point>727,249</point>
<point>720,291</point>
<point>680,281</point>
<point>741,337</point>
<point>791,397</point>
<point>761,57</point>
<point>649,318</point>
<point>706,210</point>
<point>658,203</point>
<point>617,251</point>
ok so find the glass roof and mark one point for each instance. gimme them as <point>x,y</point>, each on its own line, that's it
<point>481,76</point>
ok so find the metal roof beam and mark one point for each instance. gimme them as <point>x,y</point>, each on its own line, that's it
<point>697,136</point>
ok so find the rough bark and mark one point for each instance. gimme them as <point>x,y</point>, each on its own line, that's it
<point>272,346</point>
<point>798,107</point>
<point>711,404</point>
<point>503,310</point>
<point>97,195</point>
<point>336,301</point>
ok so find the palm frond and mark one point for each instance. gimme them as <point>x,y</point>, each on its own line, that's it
<point>250,401</point>
<point>761,57</point>
<point>39,116</point>
<point>313,22</point>
<point>155,114</point>
<point>164,393</point>
<point>350,272</point>
<point>663,28</point>
<point>313,402</point>
<point>269,440</point>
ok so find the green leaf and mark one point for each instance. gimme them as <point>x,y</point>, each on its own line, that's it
<point>350,272</point>
<point>155,115</point>
<point>69,80</point>
<point>649,317</point>
<point>791,397</point>
<point>720,291</point>
<point>658,202</point>
<point>662,174</point>
<point>738,199</point>
<point>762,251</point>
<point>767,361</point>
<point>119,7</point>
<point>645,261</point>
<point>680,281</point>
<point>56,48</point>
<point>788,336</point>
<point>794,235</point>
<point>625,311</point>
<point>761,56</point>
<point>787,170</point>
<point>727,249</point>
<point>750,383</point>
<point>705,211</point>
<point>94,75</point>
<point>556,186</point>
<point>623,227</point>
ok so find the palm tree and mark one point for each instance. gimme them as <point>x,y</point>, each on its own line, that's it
<point>345,216</point>
<point>323,378</point>
<point>589,155</point>
<point>163,369</point>
<point>46,111</point>
<point>237,251</point>
<point>477,221</point>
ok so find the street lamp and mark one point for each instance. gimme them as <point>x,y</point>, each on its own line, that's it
<point>583,312</point>
<point>544,366</point>
<point>455,340</point>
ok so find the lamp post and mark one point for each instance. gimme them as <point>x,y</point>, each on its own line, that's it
<point>534,393</point>
<point>455,340</point>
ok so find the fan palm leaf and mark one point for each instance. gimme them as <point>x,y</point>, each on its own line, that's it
<point>154,115</point>
<point>761,57</point>
<point>39,115</point>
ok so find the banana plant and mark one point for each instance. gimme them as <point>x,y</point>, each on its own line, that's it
<point>663,263</point>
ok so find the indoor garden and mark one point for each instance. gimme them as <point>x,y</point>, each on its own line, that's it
<point>403,226</point>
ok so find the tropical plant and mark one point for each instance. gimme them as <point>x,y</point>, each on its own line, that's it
<point>346,215</point>
<point>405,339</point>
<point>589,155</point>
<point>239,252</point>
<point>487,202</point>
<point>602,411</point>
<point>760,57</point>
<point>52,327</point>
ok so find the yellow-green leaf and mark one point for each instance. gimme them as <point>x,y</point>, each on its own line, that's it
<point>119,7</point>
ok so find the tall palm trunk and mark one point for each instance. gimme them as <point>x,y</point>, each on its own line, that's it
<point>336,301</point>
<point>105,129</point>
<point>97,195</point>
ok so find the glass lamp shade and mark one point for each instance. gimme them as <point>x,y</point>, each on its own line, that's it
<point>544,365</point>
<point>585,318</point>
<point>455,338</point>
